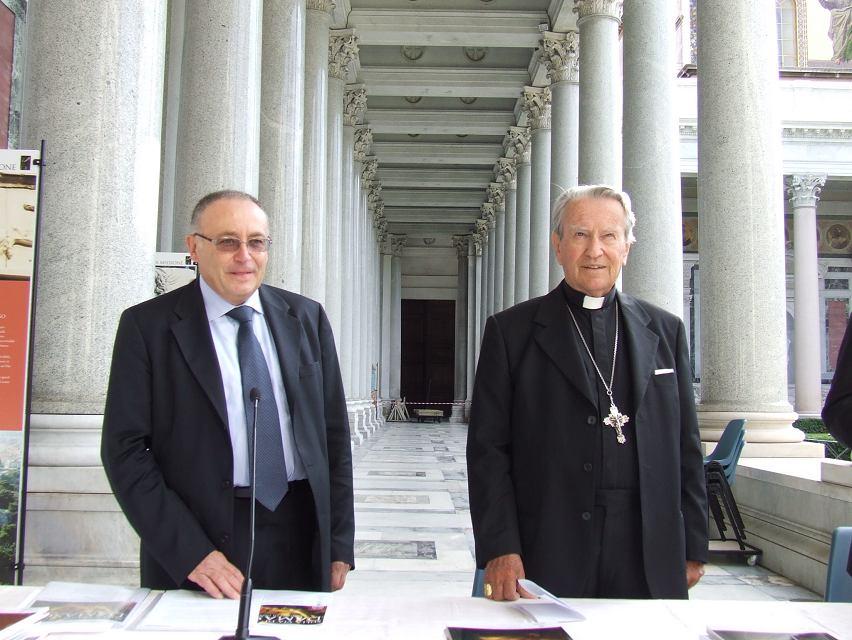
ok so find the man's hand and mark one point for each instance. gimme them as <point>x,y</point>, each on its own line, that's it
<point>217,576</point>
<point>338,574</point>
<point>502,574</point>
<point>694,571</point>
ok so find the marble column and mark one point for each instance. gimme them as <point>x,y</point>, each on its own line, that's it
<point>518,140</point>
<point>507,172</point>
<point>342,51</point>
<point>96,257</point>
<point>496,196</point>
<point>482,233</point>
<point>460,374</point>
<point>537,106</point>
<point>387,307</point>
<point>652,155</point>
<point>397,244</point>
<point>354,104</point>
<point>218,145</point>
<point>474,291</point>
<point>600,81</point>
<point>282,83</point>
<point>315,169</point>
<point>561,55</point>
<point>743,328</point>
<point>489,213</point>
<point>804,193</point>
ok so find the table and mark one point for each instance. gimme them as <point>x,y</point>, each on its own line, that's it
<point>354,617</point>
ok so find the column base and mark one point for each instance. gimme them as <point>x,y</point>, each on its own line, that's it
<point>457,414</point>
<point>768,434</point>
<point>356,435</point>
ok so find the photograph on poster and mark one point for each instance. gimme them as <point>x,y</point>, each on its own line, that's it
<point>17,225</point>
<point>172,270</point>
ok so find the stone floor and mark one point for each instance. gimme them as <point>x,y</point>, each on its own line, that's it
<point>413,534</point>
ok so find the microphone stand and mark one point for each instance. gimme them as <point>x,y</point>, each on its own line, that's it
<point>242,632</point>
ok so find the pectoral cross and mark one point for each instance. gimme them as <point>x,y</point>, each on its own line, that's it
<point>616,420</point>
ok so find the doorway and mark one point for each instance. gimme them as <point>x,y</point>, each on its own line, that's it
<point>428,354</point>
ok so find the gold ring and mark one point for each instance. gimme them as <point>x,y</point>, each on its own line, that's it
<point>488,590</point>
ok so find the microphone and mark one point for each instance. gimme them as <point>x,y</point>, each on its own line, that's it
<point>242,632</point>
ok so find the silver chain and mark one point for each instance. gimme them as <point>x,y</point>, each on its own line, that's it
<point>608,387</point>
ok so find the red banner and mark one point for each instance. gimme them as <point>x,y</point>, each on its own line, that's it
<point>14,326</point>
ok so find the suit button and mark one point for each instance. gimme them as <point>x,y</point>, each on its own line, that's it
<point>587,466</point>
<point>224,538</point>
<point>592,420</point>
<point>226,484</point>
<point>586,515</point>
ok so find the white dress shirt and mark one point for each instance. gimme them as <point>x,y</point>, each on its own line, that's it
<point>224,331</point>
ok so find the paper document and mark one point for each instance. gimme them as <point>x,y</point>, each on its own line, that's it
<point>548,608</point>
<point>90,607</point>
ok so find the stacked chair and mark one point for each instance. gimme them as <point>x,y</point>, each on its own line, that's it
<point>720,473</point>
<point>838,584</point>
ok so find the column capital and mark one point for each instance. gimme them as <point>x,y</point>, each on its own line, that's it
<point>506,171</point>
<point>804,189</point>
<point>537,106</point>
<point>397,242</point>
<point>368,173</point>
<point>518,140</point>
<point>363,142</point>
<point>342,52</point>
<point>560,53</point>
<point>476,244</point>
<point>354,104</point>
<point>496,195</point>
<point>380,223</point>
<point>461,243</point>
<point>488,215</point>
<point>374,193</point>
<point>481,232</point>
<point>598,8</point>
<point>326,6</point>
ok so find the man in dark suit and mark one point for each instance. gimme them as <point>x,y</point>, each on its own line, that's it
<point>178,414</point>
<point>837,412</point>
<point>584,462</point>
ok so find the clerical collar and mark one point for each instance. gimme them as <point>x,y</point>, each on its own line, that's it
<point>580,300</point>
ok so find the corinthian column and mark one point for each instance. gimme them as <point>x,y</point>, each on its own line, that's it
<point>474,293</point>
<point>537,105</point>
<point>488,210</point>
<point>354,105</point>
<point>460,378</point>
<point>217,136</point>
<point>314,200</point>
<point>561,55</point>
<point>507,173</point>
<point>482,234</point>
<point>518,140</point>
<point>600,111</point>
<point>95,259</point>
<point>804,193</point>
<point>496,196</point>
<point>342,50</point>
<point>397,244</point>
<point>654,271</point>
<point>743,332</point>
<point>281,120</point>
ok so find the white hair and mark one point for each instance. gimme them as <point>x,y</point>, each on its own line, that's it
<point>560,207</point>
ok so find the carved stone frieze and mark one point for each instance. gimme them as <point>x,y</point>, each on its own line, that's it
<point>342,51</point>
<point>354,105</point>
<point>506,171</point>
<point>363,142</point>
<point>320,5</point>
<point>518,140</point>
<point>537,106</point>
<point>602,8</point>
<point>804,190</point>
<point>560,54</point>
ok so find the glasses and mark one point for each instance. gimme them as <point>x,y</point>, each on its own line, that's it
<point>229,244</point>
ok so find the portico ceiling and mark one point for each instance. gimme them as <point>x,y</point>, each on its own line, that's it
<point>443,81</point>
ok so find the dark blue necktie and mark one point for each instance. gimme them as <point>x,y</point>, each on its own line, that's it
<point>271,472</point>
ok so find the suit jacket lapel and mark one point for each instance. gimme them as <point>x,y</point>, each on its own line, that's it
<point>192,333</point>
<point>554,335</point>
<point>286,332</point>
<point>641,345</point>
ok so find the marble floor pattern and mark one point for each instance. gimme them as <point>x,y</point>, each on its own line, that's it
<point>412,522</point>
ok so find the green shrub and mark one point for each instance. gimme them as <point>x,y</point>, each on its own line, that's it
<point>810,425</point>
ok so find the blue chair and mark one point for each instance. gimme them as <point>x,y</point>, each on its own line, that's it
<point>478,590</point>
<point>838,583</point>
<point>728,449</point>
